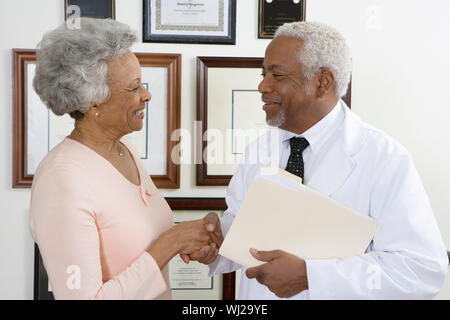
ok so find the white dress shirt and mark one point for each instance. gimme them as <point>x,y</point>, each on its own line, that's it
<point>317,135</point>
<point>363,168</point>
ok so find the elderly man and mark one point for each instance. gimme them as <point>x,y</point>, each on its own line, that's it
<point>306,70</point>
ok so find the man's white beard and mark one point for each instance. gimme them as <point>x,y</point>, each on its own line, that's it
<point>278,120</point>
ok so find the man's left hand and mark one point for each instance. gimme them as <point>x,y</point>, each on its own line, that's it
<point>284,274</point>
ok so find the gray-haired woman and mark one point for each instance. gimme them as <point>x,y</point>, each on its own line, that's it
<point>102,227</point>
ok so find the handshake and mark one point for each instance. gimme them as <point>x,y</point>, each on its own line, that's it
<point>200,239</point>
<point>197,240</point>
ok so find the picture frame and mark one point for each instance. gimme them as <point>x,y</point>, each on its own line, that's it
<point>203,205</point>
<point>100,9</point>
<point>274,13</point>
<point>42,288</point>
<point>193,21</point>
<point>36,129</point>
<point>224,84</point>
<point>231,75</point>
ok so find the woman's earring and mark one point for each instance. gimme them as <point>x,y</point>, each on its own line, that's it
<point>96,114</point>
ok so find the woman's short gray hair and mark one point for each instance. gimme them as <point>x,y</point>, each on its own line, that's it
<point>323,46</point>
<point>71,64</point>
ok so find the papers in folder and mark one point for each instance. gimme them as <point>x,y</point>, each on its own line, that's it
<point>279,212</point>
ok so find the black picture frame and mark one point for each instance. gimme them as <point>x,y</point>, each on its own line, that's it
<point>274,13</point>
<point>230,38</point>
<point>41,282</point>
<point>100,9</point>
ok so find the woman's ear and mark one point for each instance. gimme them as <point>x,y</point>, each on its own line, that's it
<point>93,111</point>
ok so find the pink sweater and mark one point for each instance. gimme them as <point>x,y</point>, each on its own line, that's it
<point>93,226</point>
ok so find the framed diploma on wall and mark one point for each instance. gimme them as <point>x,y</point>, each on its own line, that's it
<point>274,13</point>
<point>191,281</point>
<point>188,281</point>
<point>229,111</point>
<point>190,21</point>
<point>36,130</point>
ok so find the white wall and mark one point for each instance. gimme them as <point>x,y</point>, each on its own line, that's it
<point>399,84</point>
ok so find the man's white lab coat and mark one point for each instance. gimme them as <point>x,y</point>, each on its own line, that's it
<point>372,173</point>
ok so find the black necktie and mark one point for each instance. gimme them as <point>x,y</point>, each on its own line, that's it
<point>295,162</point>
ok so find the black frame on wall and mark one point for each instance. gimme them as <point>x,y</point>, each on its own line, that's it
<point>101,9</point>
<point>230,38</point>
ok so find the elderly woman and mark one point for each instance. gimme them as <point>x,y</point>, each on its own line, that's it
<point>103,229</point>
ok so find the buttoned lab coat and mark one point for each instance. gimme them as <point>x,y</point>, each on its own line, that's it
<point>369,171</point>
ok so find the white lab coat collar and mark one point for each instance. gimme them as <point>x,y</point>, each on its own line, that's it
<point>318,134</point>
<point>334,169</point>
<point>334,161</point>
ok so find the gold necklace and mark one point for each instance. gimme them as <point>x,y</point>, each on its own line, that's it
<point>120,153</point>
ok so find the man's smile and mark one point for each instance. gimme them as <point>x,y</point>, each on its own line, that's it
<point>270,103</point>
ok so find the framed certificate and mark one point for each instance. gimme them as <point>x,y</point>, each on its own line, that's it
<point>227,108</point>
<point>189,281</point>
<point>37,130</point>
<point>190,21</point>
<point>229,113</point>
<point>274,13</point>
<point>101,9</point>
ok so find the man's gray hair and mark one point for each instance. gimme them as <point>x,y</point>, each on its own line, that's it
<point>323,46</point>
<point>71,64</point>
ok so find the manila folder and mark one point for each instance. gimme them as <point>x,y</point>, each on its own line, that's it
<point>278,213</point>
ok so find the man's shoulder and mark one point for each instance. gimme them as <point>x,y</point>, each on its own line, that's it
<point>380,150</point>
<point>380,142</point>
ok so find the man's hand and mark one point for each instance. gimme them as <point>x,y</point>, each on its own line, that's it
<point>284,274</point>
<point>208,254</point>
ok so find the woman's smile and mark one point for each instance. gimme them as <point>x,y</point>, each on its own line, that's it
<point>139,113</point>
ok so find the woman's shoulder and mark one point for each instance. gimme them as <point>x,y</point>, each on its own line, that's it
<point>69,157</point>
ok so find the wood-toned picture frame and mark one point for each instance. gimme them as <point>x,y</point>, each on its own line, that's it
<point>42,289</point>
<point>100,9</point>
<point>198,21</point>
<point>223,85</point>
<point>170,177</point>
<point>36,129</point>
<point>203,204</point>
<point>204,83</point>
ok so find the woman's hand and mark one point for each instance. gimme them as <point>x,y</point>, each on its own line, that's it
<point>208,254</point>
<point>186,238</point>
<point>192,236</point>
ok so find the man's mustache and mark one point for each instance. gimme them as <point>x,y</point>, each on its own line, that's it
<point>266,98</point>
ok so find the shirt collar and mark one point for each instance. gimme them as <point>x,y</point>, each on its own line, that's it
<point>317,134</point>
